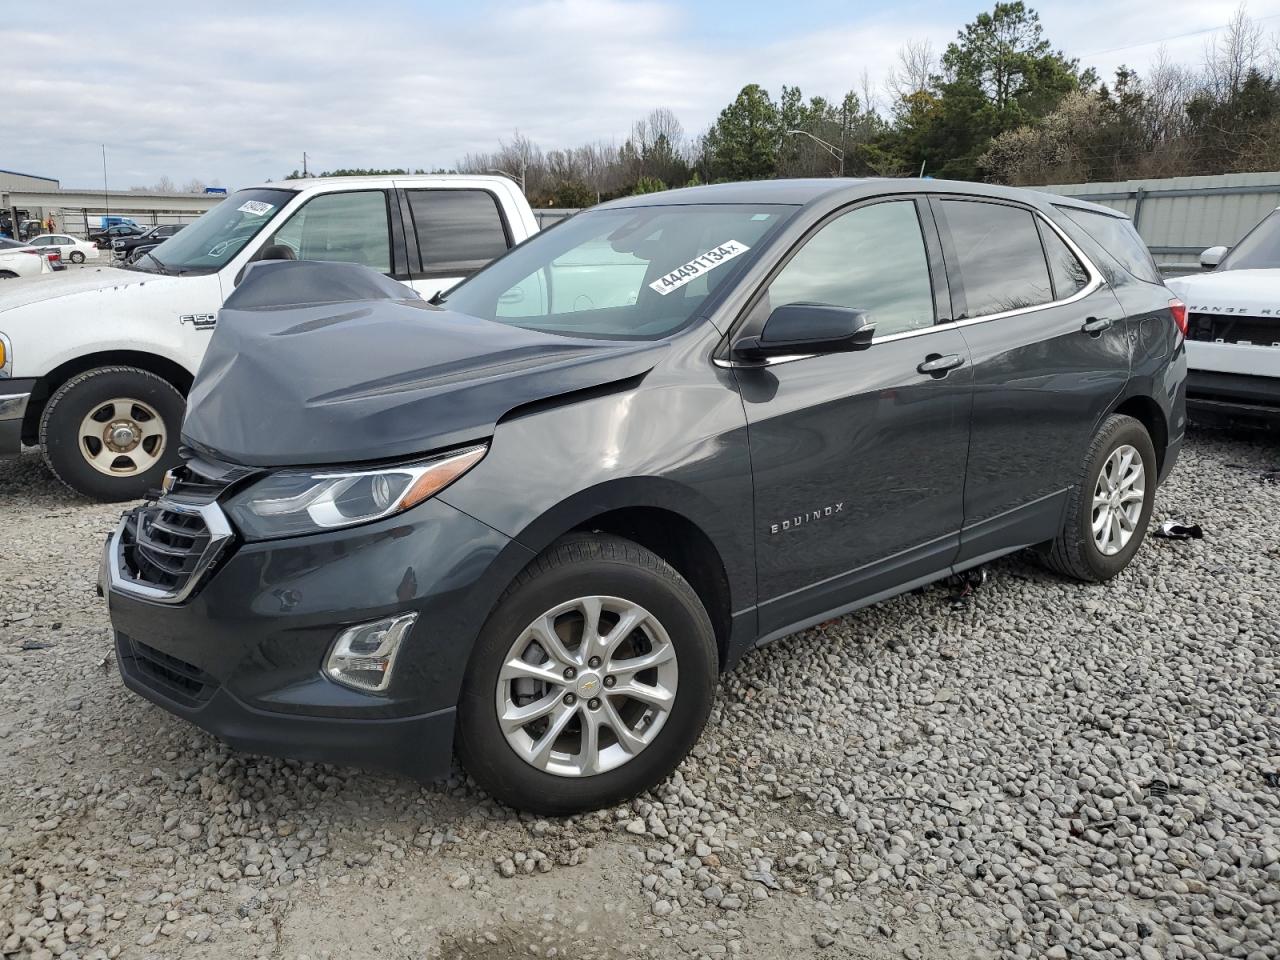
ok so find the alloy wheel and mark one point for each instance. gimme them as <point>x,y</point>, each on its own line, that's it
<point>587,686</point>
<point>1118,497</point>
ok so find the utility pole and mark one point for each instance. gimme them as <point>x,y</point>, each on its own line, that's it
<point>106,200</point>
<point>304,163</point>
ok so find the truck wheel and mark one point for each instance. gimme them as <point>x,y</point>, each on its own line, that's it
<point>1110,506</point>
<point>111,433</point>
<point>591,680</point>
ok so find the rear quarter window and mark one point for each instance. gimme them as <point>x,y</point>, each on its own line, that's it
<point>1118,237</point>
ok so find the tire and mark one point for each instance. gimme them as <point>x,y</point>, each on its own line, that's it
<point>134,471</point>
<point>8,275</point>
<point>1077,552</point>
<point>619,571</point>
<point>76,256</point>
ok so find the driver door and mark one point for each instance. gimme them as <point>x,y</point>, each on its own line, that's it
<point>859,458</point>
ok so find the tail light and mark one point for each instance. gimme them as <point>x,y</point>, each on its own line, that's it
<point>1178,310</point>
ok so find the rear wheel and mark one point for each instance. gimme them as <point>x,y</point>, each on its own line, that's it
<point>1110,506</point>
<point>111,433</point>
<point>591,680</point>
<point>76,257</point>
<point>8,275</point>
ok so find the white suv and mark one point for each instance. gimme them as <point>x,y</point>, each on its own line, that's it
<point>95,366</point>
<point>1233,333</point>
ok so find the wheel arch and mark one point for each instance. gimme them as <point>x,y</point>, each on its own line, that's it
<point>683,544</point>
<point>672,520</point>
<point>165,368</point>
<point>1147,412</point>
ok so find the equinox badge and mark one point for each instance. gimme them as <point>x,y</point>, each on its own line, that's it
<point>809,516</point>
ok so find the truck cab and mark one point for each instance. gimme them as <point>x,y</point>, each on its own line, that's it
<point>95,367</point>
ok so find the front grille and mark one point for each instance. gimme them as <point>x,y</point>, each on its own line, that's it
<point>176,679</point>
<point>1224,328</point>
<point>162,547</point>
<point>163,550</point>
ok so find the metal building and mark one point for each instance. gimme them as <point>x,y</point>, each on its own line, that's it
<point>78,211</point>
<point>1180,216</point>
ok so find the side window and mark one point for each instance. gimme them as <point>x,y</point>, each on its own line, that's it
<point>459,231</point>
<point>1002,265</point>
<point>1069,274</point>
<point>1119,238</point>
<point>347,227</point>
<point>872,259</point>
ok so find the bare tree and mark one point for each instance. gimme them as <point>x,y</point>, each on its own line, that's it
<point>1167,88</point>
<point>917,64</point>
<point>1228,58</point>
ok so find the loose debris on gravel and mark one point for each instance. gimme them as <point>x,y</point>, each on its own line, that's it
<point>1042,769</point>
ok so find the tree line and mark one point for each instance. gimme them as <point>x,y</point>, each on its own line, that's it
<point>1000,103</point>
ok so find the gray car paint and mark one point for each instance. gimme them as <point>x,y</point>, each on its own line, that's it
<point>680,431</point>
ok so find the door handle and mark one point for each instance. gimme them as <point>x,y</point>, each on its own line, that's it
<point>938,365</point>
<point>1095,325</point>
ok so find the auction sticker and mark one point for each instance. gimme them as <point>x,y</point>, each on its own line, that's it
<point>256,207</point>
<point>699,265</point>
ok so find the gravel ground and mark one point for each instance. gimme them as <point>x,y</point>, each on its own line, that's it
<point>1036,768</point>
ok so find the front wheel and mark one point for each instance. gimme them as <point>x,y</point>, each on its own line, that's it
<point>591,681</point>
<point>111,433</point>
<point>1110,507</point>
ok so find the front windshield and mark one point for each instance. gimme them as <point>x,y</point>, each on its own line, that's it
<point>217,236</point>
<point>1260,248</point>
<point>634,273</point>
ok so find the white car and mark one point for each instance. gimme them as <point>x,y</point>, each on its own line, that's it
<point>21,260</point>
<point>1233,327</point>
<point>95,367</point>
<point>71,248</point>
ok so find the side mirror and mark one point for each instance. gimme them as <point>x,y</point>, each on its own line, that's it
<point>1212,257</point>
<point>803,328</point>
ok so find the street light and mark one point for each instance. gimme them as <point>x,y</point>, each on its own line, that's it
<point>509,176</point>
<point>831,148</point>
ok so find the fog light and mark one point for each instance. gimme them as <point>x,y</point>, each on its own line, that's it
<point>363,657</point>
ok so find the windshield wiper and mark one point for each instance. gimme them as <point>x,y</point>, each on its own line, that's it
<point>158,262</point>
<point>437,298</point>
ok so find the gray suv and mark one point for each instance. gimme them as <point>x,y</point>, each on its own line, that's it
<point>531,521</point>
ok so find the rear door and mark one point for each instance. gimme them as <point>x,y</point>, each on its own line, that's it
<point>451,233</point>
<point>858,458</point>
<point>1050,355</point>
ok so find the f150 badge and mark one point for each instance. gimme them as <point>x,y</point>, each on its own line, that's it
<point>809,516</point>
<point>201,321</point>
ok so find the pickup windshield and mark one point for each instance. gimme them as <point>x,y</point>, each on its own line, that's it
<point>1260,248</point>
<point>632,273</point>
<point>207,244</point>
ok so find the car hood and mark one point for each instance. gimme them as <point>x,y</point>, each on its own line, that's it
<point>379,378</point>
<point>1245,292</point>
<point>94,281</point>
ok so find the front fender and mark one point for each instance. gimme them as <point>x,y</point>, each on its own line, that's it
<point>676,444</point>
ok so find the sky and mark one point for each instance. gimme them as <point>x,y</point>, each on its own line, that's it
<point>235,92</point>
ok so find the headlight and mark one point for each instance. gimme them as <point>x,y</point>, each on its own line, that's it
<point>294,502</point>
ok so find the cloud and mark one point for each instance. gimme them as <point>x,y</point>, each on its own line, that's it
<point>239,95</point>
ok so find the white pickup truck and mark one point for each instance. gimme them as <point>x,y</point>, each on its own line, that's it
<point>95,366</point>
<point>1233,328</point>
